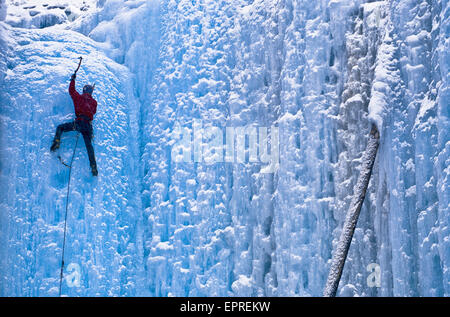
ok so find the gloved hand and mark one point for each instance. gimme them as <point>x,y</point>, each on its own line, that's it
<point>73,76</point>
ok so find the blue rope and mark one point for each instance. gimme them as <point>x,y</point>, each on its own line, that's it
<point>65,218</point>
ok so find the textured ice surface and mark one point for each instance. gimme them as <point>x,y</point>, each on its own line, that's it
<point>42,14</point>
<point>3,10</point>
<point>322,71</point>
<point>103,223</point>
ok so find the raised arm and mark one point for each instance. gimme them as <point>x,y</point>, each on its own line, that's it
<point>72,91</point>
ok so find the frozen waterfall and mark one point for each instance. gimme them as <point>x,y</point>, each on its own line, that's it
<point>304,79</point>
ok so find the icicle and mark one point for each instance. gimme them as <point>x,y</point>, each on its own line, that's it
<point>340,255</point>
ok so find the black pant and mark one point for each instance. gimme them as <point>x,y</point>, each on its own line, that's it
<point>86,130</point>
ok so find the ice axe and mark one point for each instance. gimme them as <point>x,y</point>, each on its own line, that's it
<point>79,64</point>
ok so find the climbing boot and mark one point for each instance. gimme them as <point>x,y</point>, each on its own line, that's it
<point>94,170</point>
<point>55,145</point>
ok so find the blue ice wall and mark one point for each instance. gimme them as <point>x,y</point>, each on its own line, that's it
<point>104,223</point>
<point>320,72</point>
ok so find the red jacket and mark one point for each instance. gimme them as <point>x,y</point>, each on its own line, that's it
<point>84,104</point>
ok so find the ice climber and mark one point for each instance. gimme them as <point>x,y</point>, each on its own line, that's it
<point>85,109</point>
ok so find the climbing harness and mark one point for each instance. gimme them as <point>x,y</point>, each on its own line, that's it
<point>67,206</point>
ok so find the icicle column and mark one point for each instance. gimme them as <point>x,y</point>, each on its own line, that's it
<point>351,219</point>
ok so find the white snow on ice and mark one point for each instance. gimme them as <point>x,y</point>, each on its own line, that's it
<point>321,71</point>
